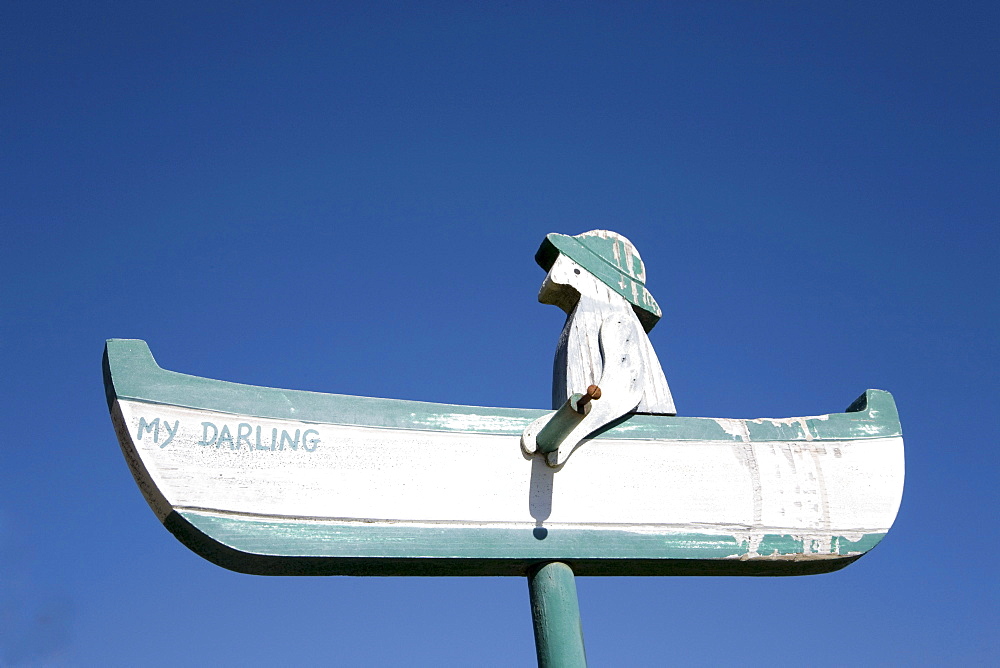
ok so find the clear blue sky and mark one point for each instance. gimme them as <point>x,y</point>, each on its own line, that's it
<point>347,198</point>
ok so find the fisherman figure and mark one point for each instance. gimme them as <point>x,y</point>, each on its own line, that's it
<point>598,279</point>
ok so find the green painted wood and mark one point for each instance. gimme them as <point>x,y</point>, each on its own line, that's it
<point>613,260</point>
<point>564,421</point>
<point>130,372</point>
<point>555,614</point>
<point>261,545</point>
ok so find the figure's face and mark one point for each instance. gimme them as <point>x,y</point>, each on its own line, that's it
<point>562,284</point>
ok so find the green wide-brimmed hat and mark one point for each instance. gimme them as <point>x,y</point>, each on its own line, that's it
<point>613,260</point>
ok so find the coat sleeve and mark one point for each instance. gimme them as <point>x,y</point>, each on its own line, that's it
<point>621,384</point>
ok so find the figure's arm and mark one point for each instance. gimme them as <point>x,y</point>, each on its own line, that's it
<point>621,385</point>
<point>623,370</point>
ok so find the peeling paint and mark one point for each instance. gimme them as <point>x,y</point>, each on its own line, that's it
<point>471,422</point>
<point>745,454</point>
<point>790,420</point>
<point>824,498</point>
<point>734,427</point>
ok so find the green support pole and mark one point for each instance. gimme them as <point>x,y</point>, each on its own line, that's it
<point>556,616</point>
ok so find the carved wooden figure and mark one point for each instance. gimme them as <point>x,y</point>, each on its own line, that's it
<point>598,279</point>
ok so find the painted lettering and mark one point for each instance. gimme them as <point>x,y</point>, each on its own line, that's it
<point>204,436</point>
<point>307,442</point>
<point>243,437</point>
<point>152,427</point>
<point>285,438</point>
<point>225,435</point>
<point>171,432</point>
<point>249,436</point>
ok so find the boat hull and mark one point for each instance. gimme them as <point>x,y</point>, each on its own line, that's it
<point>270,481</point>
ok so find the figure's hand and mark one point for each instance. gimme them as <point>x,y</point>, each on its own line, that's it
<point>619,392</point>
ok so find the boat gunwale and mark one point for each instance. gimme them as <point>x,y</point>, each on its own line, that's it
<point>132,374</point>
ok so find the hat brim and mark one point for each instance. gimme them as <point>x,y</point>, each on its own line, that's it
<point>645,307</point>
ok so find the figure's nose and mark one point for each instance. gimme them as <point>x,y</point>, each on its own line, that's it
<point>547,292</point>
<point>558,293</point>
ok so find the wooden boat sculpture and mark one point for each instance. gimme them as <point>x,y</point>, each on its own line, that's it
<point>271,481</point>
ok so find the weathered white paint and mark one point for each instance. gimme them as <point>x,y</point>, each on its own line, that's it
<point>817,489</point>
<point>580,360</point>
<point>602,343</point>
<point>621,386</point>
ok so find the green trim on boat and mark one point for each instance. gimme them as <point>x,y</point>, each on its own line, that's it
<point>495,551</point>
<point>131,373</point>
